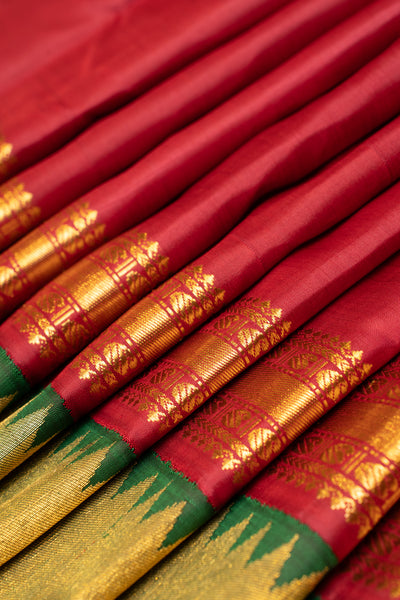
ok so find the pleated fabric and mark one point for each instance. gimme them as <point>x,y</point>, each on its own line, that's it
<point>271,160</point>
<point>322,491</point>
<point>182,381</point>
<point>141,45</point>
<point>36,339</point>
<point>222,76</point>
<point>199,283</point>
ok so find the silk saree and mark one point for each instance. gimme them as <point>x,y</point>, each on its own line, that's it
<point>199,283</point>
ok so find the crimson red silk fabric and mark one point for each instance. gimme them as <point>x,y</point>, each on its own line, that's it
<point>272,159</point>
<point>185,228</point>
<point>121,138</point>
<point>235,264</point>
<point>371,570</point>
<point>31,39</point>
<point>113,66</point>
<point>300,286</point>
<point>373,299</point>
<point>255,144</point>
<point>304,502</point>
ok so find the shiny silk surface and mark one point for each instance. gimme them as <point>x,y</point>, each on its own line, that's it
<point>224,446</point>
<point>137,128</point>
<point>272,159</point>
<point>180,305</point>
<point>185,379</point>
<point>345,472</point>
<point>199,284</point>
<point>45,109</point>
<point>67,313</point>
<point>54,24</point>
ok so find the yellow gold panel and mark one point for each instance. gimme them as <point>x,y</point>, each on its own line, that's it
<point>17,439</point>
<point>5,400</point>
<point>106,544</point>
<point>52,495</point>
<point>212,567</point>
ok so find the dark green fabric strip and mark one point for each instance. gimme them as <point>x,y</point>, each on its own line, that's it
<point>175,488</point>
<point>89,437</point>
<point>56,413</point>
<point>310,552</point>
<point>13,384</point>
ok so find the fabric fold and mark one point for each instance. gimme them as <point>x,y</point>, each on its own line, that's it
<point>70,311</point>
<point>53,25</point>
<point>180,305</point>
<point>305,512</point>
<point>87,161</point>
<point>271,160</point>
<point>372,569</point>
<point>181,382</point>
<point>144,514</point>
<point>199,284</point>
<point>113,66</point>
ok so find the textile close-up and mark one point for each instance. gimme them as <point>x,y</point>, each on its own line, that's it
<point>199,300</point>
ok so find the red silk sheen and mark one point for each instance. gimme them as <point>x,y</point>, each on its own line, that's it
<point>300,286</point>
<point>379,329</point>
<point>372,569</point>
<point>146,42</point>
<point>30,39</point>
<point>350,325</point>
<point>236,263</point>
<point>377,294</point>
<point>121,138</point>
<point>288,219</point>
<point>184,229</point>
<point>273,159</point>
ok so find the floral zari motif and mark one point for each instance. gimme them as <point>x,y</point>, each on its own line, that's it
<point>17,216</point>
<point>142,334</point>
<point>255,418</point>
<point>208,360</point>
<point>85,299</point>
<point>46,251</point>
<point>352,458</point>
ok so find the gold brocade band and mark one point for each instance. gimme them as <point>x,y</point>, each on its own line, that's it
<point>132,343</point>
<point>208,360</point>
<point>153,326</point>
<point>246,332</point>
<point>352,458</point>
<point>261,413</point>
<point>44,252</point>
<point>5,155</point>
<point>17,216</point>
<point>86,298</point>
<point>304,376</point>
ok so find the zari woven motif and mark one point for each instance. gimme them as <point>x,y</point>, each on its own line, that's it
<point>199,283</point>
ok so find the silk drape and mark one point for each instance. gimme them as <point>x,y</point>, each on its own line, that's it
<point>199,273</point>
